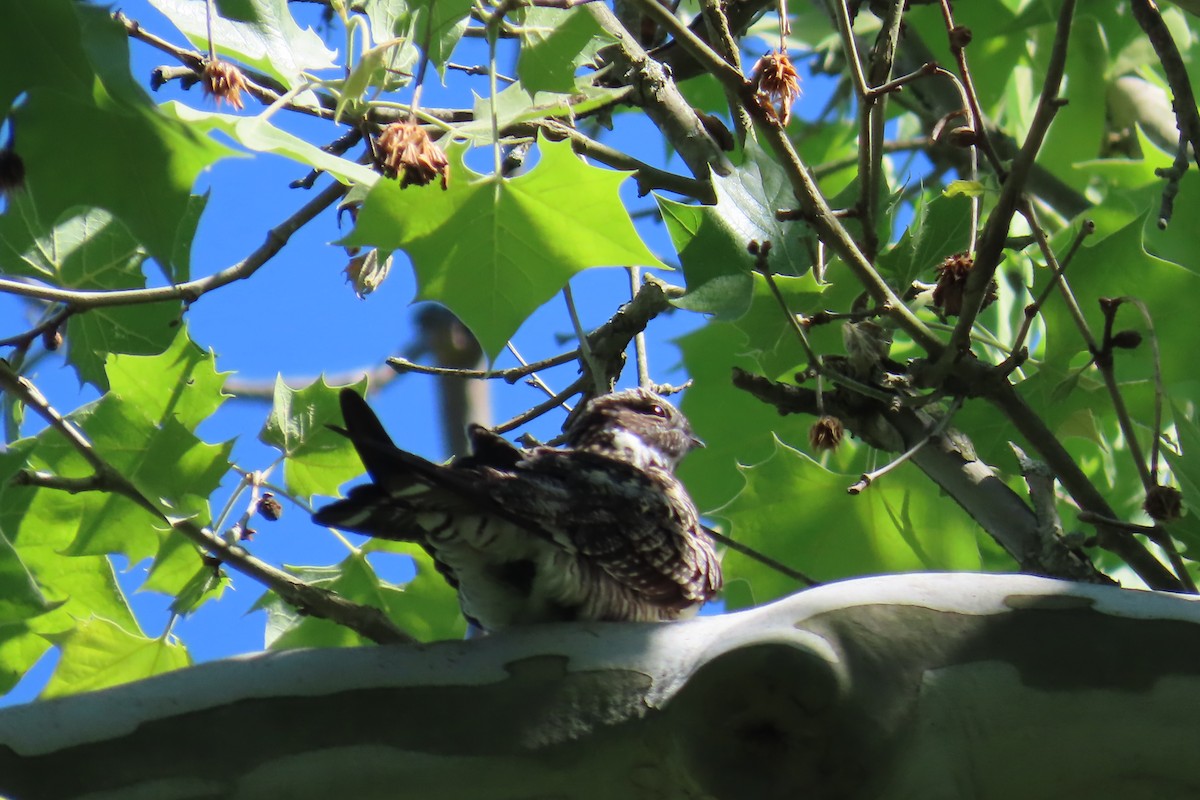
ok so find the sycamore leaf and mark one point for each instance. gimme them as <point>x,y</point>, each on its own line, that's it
<point>88,249</point>
<point>493,250</point>
<point>798,512</point>
<point>258,134</point>
<point>100,653</point>
<point>181,383</point>
<point>259,33</point>
<point>20,649</point>
<point>20,597</point>
<point>426,606</point>
<point>317,459</point>
<point>554,42</point>
<point>736,427</point>
<point>712,240</point>
<point>40,529</point>
<point>939,228</point>
<point>82,84</point>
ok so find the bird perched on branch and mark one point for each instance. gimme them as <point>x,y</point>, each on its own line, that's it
<point>600,529</point>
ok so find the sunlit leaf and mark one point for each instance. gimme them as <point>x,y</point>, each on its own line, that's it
<point>99,654</point>
<point>493,250</point>
<point>317,459</point>
<point>259,33</point>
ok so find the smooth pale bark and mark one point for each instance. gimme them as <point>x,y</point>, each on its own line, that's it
<point>955,686</point>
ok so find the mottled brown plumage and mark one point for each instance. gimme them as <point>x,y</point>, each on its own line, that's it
<point>600,529</point>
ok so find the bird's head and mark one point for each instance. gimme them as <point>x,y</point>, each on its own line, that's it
<point>634,425</point>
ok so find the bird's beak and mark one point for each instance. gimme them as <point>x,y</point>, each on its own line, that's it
<point>696,441</point>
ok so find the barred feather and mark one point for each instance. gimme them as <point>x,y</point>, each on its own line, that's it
<point>599,530</point>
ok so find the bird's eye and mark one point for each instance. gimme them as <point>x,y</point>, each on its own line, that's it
<point>658,410</point>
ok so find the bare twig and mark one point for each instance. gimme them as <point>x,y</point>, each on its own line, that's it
<point>991,243</point>
<point>765,560</point>
<point>870,477</point>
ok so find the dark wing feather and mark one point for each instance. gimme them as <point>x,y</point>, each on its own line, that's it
<point>385,507</point>
<point>638,526</point>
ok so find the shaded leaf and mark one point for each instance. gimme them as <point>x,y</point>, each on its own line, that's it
<point>712,240</point>
<point>20,597</point>
<point>798,512</point>
<point>258,134</point>
<point>554,42</point>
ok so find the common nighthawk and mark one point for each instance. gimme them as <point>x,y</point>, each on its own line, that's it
<point>600,529</point>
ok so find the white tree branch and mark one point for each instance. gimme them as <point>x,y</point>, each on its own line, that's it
<point>934,686</point>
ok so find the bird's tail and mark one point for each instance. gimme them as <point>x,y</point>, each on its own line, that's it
<point>380,508</point>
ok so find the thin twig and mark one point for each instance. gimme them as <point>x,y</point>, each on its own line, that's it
<point>639,340</point>
<point>765,560</point>
<point>535,380</point>
<point>870,477</point>
<point>189,292</point>
<point>958,48</point>
<point>599,381</point>
<point>991,243</point>
<point>577,386</point>
<point>1033,309</point>
<point>370,622</point>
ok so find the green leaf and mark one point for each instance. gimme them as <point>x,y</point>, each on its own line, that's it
<point>181,383</point>
<point>964,188</point>
<point>166,156</point>
<point>493,250</point>
<point>100,653</point>
<point>554,42</point>
<point>80,81</point>
<point>427,606</point>
<point>259,33</point>
<point>1083,118</point>
<point>939,228</point>
<point>798,512</point>
<point>20,649</point>
<point>736,427</point>
<point>353,579</point>
<point>259,135</point>
<point>178,564</point>
<point>20,597</point>
<point>440,23</point>
<point>165,461</point>
<point>317,460</point>
<point>1185,466</point>
<point>207,583</point>
<point>41,525</point>
<point>712,240</point>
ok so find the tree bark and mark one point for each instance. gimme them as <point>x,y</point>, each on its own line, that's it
<point>955,686</point>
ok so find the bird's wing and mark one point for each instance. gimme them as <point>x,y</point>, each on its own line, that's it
<point>403,484</point>
<point>638,526</point>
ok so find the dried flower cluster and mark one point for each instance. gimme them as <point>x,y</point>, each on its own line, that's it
<point>269,507</point>
<point>1163,503</point>
<point>776,84</point>
<point>826,433</point>
<point>366,272</point>
<point>952,284</point>
<point>224,82</point>
<point>406,152</point>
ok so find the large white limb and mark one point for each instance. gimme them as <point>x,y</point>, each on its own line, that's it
<point>956,686</point>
